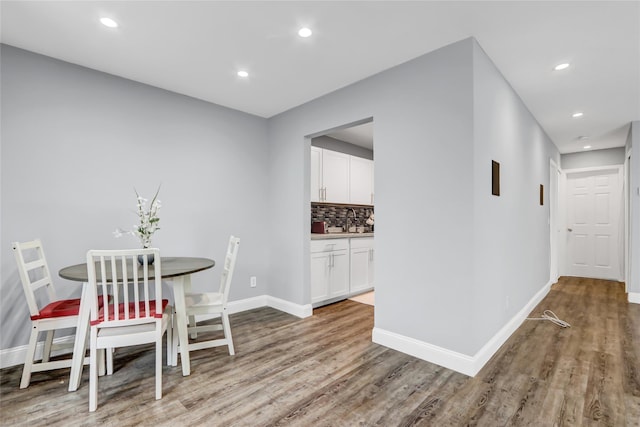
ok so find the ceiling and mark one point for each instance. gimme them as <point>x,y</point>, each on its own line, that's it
<point>196,48</point>
<point>361,135</point>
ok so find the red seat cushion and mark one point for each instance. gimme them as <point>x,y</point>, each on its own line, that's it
<point>62,308</point>
<point>132,312</point>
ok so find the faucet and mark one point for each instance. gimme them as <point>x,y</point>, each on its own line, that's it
<point>355,218</point>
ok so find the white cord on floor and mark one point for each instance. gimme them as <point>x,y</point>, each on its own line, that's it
<point>551,316</point>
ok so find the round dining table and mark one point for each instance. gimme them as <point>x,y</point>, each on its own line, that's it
<point>177,271</point>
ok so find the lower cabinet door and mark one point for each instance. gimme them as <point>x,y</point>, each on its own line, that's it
<point>339,285</point>
<point>337,271</point>
<point>360,267</point>
<point>320,274</point>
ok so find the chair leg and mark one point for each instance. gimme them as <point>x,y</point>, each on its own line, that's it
<point>175,340</point>
<point>93,373</point>
<point>102,369</point>
<point>226,326</point>
<point>192,323</point>
<point>109,352</point>
<point>48,342</point>
<point>170,341</point>
<point>31,353</point>
<point>159,366</point>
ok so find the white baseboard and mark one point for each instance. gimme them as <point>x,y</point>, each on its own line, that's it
<point>247,304</point>
<point>634,297</point>
<point>431,353</point>
<point>16,355</point>
<point>490,348</point>
<point>465,364</point>
<point>298,310</point>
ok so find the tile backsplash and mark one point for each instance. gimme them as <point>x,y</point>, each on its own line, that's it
<point>336,215</point>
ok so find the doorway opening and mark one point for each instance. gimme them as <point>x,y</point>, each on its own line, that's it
<point>342,218</point>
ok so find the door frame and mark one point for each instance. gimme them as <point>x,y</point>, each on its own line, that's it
<point>626,188</point>
<point>554,238</point>
<point>619,169</point>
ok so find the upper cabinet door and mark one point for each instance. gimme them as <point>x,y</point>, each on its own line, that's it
<point>316,191</point>
<point>361,177</point>
<point>335,176</point>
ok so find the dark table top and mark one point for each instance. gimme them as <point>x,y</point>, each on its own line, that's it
<point>171,267</point>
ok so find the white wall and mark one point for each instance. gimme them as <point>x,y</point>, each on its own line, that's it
<point>593,158</point>
<point>75,143</point>
<point>435,219</point>
<point>439,120</point>
<point>511,231</point>
<point>422,115</point>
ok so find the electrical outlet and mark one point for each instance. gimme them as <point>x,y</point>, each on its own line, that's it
<point>253,281</point>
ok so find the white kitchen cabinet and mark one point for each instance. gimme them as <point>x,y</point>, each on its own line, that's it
<point>340,178</point>
<point>335,176</point>
<point>361,181</point>
<point>362,265</point>
<point>329,269</point>
<point>320,270</point>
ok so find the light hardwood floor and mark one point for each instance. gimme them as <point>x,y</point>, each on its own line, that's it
<point>325,371</point>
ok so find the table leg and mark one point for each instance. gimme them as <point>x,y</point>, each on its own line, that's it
<point>191,319</point>
<point>179,285</point>
<point>80,344</point>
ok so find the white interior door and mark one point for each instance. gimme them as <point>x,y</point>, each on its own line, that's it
<point>593,212</point>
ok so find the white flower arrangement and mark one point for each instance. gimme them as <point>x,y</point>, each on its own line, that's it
<point>148,220</point>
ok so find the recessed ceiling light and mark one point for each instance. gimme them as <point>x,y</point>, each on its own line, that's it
<point>586,147</point>
<point>582,137</point>
<point>578,114</point>
<point>304,32</point>
<point>243,74</point>
<point>562,66</point>
<point>108,22</point>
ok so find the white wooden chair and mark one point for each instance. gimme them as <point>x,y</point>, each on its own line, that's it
<point>54,314</point>
<point>212,303</point>
<point>136,313</point>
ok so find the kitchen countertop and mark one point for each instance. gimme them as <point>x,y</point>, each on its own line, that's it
<point>318,236</point>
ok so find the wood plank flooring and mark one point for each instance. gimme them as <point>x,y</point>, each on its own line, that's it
<point>325,371</point>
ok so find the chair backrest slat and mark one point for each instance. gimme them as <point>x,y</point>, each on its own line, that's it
<point>229,266</point>
<point>125,289</point>
<point>145,267</point>
<point>34,264</point>
<point>45,281</point>
<point>136,292</point>
<point>34,273</point>
<point>120,271</point>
